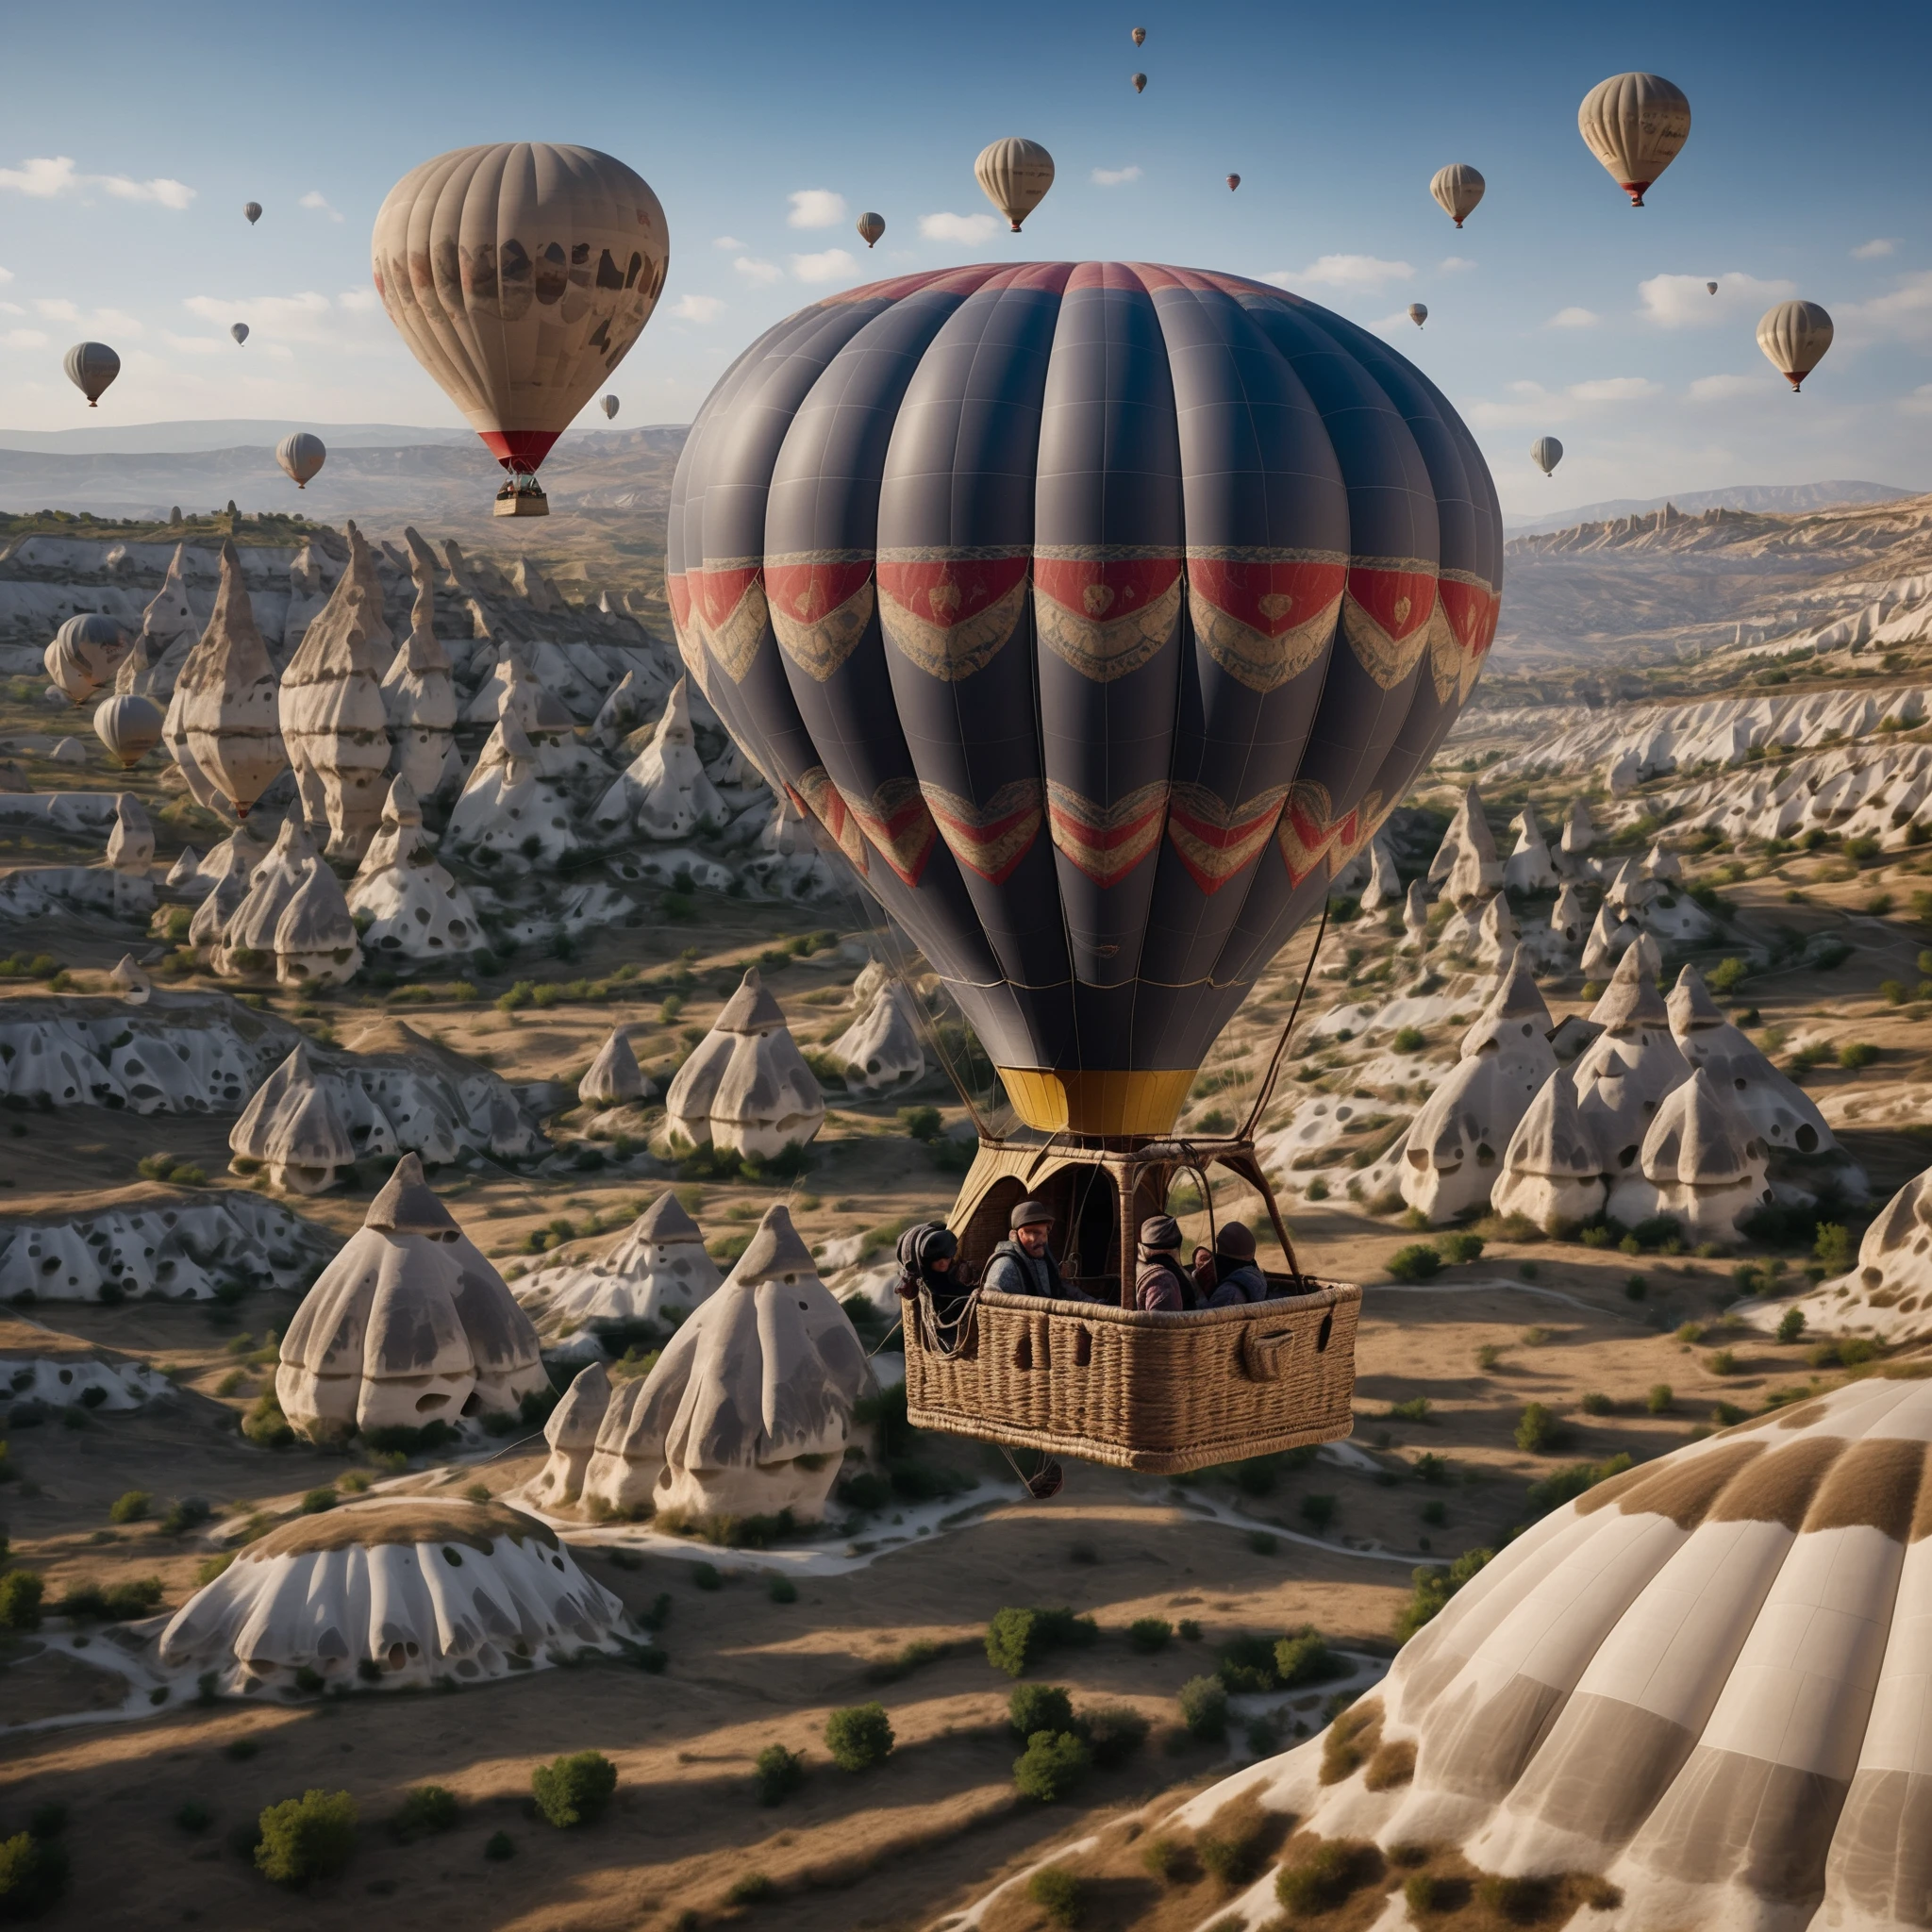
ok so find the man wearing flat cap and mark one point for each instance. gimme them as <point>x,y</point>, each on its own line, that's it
<point>1160,1283</point>
<point>1023,1262</point>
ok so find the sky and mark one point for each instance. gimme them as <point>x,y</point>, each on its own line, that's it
<point>127,152</point>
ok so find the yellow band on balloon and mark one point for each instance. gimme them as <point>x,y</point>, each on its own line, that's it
<point>1086,1101</point>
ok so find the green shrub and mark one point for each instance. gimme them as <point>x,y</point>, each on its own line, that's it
<point>1247,1666</point>
<point>1432,1586</point>
<point>1231,1857</point>
<point>1038,1707</point>
<point>266,1424</point>
<point>1724,1362</point>
<point>193,1815</point>
<point>306,1838</point>
<point>1318,1511</point>
<point>1661,1399</point>
<point>1521,1901</point>
<point>1597,1403</point>
<point>21,1591</point>
<point>33,1874</point>
<point>1416,1409</point>
<point>1460,1247</point>
<point>316,1501</point>
<point>1304,1657</point>
<point>1565,1485</point>
<point>751,1888</point>
<point>779,1772</point>
<point>1166,1859</point>
<point>783,1590</point>
<point>131,1505</point>
<point>1536,1429</point>
<point>575,1790</point>
<point>1204,1708</point>
<point>1149,1634</point>
<point>1057,1893</point>
<point>1422,1893</point>
<point>1418,1261</point>
<point>1857,1054</point>
<point>499,1845</point>
<point>1113,1733</point>
<point>1321,1877</point>
<point>425,1809</point>
<point>1016,1640</point>
<point>1409,1039</point>
<point>1726,976</point>
<point>1430,1468</point>
<point>1791,1324</point>
<point>1832,1247</point>
<point>1051,1765</point>
<point>859,1737</point>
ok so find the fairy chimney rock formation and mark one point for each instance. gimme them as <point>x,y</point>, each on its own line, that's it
<point>316,943</point>
<point>1785,1117</point>
<point>420,701</point>
<point>1384,888</point>
<point>1551,1172</point>
<point>224,724</point>
<point>1701,1164</point>
<point>613,1078</point>
<point>572,1434</point>
<point>413,907</point>
<point>1465,865</point>
<point>746,1086</point>
<point>294,1131</point>
<point>131,840</point>
<point>657,1271</point>
<point>1530,868</point>
<point>665,793</point>
<point>1624,1073</point>
<point>882,1048</point>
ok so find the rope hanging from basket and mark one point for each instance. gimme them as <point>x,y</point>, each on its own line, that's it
<point>1266,1093</point>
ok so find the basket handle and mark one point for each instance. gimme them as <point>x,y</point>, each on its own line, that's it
<point>1264,1357</point>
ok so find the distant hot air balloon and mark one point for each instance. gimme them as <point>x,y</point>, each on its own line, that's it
<point>1710,288</point>
<point>90,367</point>
<point>1418,312</point>
<point>253,210</point>
<point>1014,175</point>
<point>1546,453</point>
<point>1234,181</point>
<point>238,330</point>
<point>301,456</point>
<point>610,406</point>
<point>84,655</point>
<point>1139,83</point>
<point>129,726</point>
<point>1140,36</point>
<point>1794,336</point>
<point>871,228</point>
<point>520,274</point>
<point>1635,125</point>
<point>1457,187</point>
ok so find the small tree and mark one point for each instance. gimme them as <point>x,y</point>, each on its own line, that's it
<point>780,1774</point>
<point>1051,1765</point>
<point>1149,1634</point>
<point>33,1874</point>
<point>1039,1707</point>
<point>21,1591</point>
<point>859,1737</point>
<point>575,1790</point>
<point>307,1838</point>
<point>1058,1893</point>
<point>1791,1324</point>
<point>1536,1429</point>
<point>425,1809</point>
<point>132,1506</point>
<point>1204,1708</point>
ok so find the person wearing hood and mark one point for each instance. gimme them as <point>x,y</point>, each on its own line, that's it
<point>1159,1285</point>
<point>1230,1276</point>
<point>1023,1262</point>
<point>928,1258</point>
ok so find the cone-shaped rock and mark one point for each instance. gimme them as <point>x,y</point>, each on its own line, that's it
<point>746,1086</point>
<point>1529,867</point>
<point>420,701</point>
<point>293,1130</point>
<point>614,1078</point>
<point>666,791</point>
<point>316,943</point>
<point>656,1272</point>
<point>1550,1169</point>
<point>1785,1117</point>
<point>224,719</point>
<point>1702,1163</point>
<point>882,1049</point>
<point>1623,1074</point>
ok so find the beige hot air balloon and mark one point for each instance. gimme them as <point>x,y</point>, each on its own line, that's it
<point>871,228</point>
<point>520,274</point>
<point>1014,175</point>
<point>301,456</point>
<point>1140,36</point>
<point>1418,312</point>
<point>1139,83</point>
<point>129,726</point>
<point>1794,336</point>
<point>609,406</point>
<point>1457,187</point>
<point>1546,453</point>
<point>1636,125</point>
<point>1710,288</point>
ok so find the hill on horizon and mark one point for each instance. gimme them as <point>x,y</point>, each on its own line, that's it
<point>1766,499</point>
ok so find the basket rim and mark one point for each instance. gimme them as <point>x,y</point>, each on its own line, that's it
<point>1331,1294</point>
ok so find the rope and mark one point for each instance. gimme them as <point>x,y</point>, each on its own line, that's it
<point>1267,1088</point>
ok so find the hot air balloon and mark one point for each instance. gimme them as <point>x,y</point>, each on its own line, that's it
<point>1456,187</point>
<point>1014,175</point>
<point>301,455</point>
<point>1140,36</point>
<point>1635,125</point>
<point>1794,336</point>
<point>1139,83</point>
<point>520,274</point>
<point>129,726</point>
<point>1098,612</point>
<point>1546,453</point>
<point>84,655</point>
<point>90,367</point>
<point>871,228</point>
<point>1234,181</point>
<point>238,330</point>
<point>1710,288</point>
<point>1418,312</point>
<point>253,210</point>
<point>609,407</point>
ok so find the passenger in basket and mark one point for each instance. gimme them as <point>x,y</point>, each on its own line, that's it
<point>928,1257</point>
<point>1159,1285</point>
<point>1230,1275</point>
<point>1023,1263</point>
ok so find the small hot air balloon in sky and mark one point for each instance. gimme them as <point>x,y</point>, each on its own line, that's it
<point>129,726</point>
<point>1140,36</point>
<point>519,273</point>
<point>90,367</point>
<point>610,406</point>
<point>238,330</point>
<point>1139,83</point>
<point>1546,453</point>
<point>1710,288</point>
<point>1014,175</point>
<point>1457,187</point>
<point>871,228</point>
<point>1418,312</point>
<point>1794,336</point>
<point>253,210</point>
<point>1234,181</point>
<point>301,455</point>
<point>1636,125</point>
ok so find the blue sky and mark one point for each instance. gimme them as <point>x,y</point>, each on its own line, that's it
<point>127,152</point>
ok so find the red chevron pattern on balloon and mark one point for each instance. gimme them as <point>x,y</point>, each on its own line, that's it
<point>817,795</point>
<point>895,819</point>
<point>991,838</point>
<point>1385,615</point>
<point>949,612</point>
<point>1105,613</point>
<point>820,606</point>
<point>1265,616</point>
<point>727,604</point>
<point>1306,829</point>
<point>1107,841</point>
<point>1215,841</point>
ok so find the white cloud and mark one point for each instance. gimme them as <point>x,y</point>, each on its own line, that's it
<point>829,265</point>
<point>1113,178</point>
<point>196,345</point>
<point>815,208</point>
<point>1686,300</point>
<point>359,301</point>
<point>24,338</point>
<point>316,199</point>
<point>57,311</point>
<point>1454,265</point>
<point>1614,388</point>
<point>1904,315</point>
<point>1872,250</point>
<point>1721,389</point>
<point>1573,318</point>
<point>753,270</point>
<point>728,241</point>
<point>697,308</point>
<point>963,229</point>
<point>1365,271</point>
<point>49,175</point>
<point>6,274</point>
<point>344,324</point>
<point>1918,404</point>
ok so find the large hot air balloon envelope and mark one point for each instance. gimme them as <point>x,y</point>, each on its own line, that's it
<point>871,228</point>
<point>129,726</point>
<point>301,455</point>
<point>1418,312</point>
<point>1234,181</point>
<point>1635,125</point>
<point>1546,453</point>
<point>1456,189</point>
<point>1139,83</point>
<point>90,367</point>
<point>253,210</point>
<point>520,274</point>
<point>609,406</point>
<point>1794,336</point>
<point>1014,175</point>
<point>238,330</point>
<point>1098,612</point>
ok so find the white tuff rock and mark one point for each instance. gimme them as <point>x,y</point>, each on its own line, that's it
<point>746,1086</point>
<point>666,792</point>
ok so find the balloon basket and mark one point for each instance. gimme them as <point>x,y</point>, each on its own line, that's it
<point>1111,1383</point>
<point>523,498</point>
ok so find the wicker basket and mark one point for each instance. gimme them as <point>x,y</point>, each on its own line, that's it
<point>1163,1392</point>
